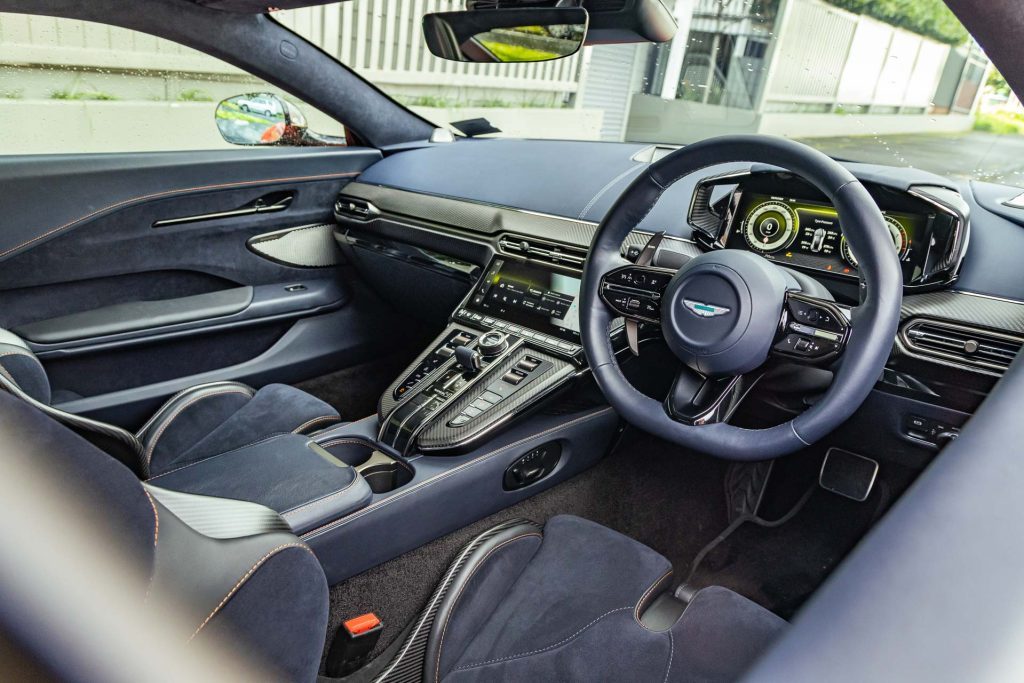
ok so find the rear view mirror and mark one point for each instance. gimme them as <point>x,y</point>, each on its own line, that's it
<point>260,119</point>
<point>506,35</point>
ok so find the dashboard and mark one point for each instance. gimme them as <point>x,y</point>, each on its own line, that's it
<point>787,221</point>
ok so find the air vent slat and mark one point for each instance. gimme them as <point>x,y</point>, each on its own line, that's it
<point>973,347</point>
<point>543,251</point>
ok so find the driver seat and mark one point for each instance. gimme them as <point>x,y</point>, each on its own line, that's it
<point>576,601</point>
<point>571,600</point>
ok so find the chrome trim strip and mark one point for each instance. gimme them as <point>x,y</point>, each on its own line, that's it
<point>281,205</point>
<point>986,296</point>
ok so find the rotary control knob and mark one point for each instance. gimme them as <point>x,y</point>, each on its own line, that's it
<point>492,343</point>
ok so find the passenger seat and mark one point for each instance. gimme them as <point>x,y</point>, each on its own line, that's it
<point>194,424</point>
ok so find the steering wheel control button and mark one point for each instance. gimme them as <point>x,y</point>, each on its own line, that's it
<point>635,292</point>
<point>815,330</point>
<point>814,316</point>
<point>806,347</point>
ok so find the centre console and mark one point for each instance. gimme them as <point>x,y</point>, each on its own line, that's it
<point>512,341</point>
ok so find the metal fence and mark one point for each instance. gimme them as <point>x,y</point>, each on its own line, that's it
<point>828,59</point>
<point>381,39</point>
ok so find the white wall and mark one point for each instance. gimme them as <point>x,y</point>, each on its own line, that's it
<point>679,122</point>
<point>55,127</point>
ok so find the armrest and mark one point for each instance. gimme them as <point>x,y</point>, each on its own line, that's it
<point>289,474</point>
<point>137,315</point>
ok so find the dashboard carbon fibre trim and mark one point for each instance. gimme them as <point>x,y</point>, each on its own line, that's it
<point>474,217</point>
<point>998,315</point>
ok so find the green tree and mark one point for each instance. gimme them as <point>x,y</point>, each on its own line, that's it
<point>997,84</point>
<point>929,18</point>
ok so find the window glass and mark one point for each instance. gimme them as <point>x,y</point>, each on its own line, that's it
<point>898,82</point>
<point>76,86</point>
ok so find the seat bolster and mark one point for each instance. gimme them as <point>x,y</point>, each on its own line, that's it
<point>474,592</point>
<point>186,418</point>
<point>265,588</point>
<point>720,635</point>
<point>20,365</point>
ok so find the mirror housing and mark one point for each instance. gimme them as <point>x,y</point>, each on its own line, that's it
<point>630,21</point>
<point>266,119</point>
<point>506,35</point>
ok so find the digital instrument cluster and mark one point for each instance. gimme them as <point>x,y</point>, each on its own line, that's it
<point>808,234</point>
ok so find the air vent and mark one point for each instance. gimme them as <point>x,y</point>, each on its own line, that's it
<point>359,209</point>
<point>543,251</point>
<point>988,351</point>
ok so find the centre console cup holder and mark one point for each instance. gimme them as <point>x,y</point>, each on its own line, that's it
<point>382,472</point>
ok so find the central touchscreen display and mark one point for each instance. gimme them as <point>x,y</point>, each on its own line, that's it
<point>531,296</point>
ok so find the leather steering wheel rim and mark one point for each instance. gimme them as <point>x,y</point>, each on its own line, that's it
<point>872,328</point>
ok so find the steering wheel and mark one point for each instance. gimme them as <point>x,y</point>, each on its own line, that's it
<point>726,313</point>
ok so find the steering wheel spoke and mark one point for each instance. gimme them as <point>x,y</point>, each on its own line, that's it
<point>634,292</point>
<point>696,399</point>
<point>812,331</point>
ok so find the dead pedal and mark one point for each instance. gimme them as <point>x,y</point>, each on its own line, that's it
<point>848,474</point>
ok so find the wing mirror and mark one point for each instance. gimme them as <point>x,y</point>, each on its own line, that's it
<point>266,119</point>
<point>506,35</point>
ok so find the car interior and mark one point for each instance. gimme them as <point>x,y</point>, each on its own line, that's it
<point>411,403</point>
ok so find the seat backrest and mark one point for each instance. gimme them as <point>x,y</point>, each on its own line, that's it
<point>19,365</point>
<point>234,568</point>
<point>23,375</point>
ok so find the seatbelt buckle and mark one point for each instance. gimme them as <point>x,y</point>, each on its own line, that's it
<point>353,644</point>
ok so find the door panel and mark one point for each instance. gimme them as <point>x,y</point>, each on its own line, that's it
<point>123,301</point>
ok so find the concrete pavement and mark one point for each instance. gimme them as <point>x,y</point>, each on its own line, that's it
<point>982,156</point>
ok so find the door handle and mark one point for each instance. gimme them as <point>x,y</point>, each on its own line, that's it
<point>279,201</point>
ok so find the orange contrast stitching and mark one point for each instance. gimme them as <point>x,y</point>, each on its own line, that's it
<point>245,578</point>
